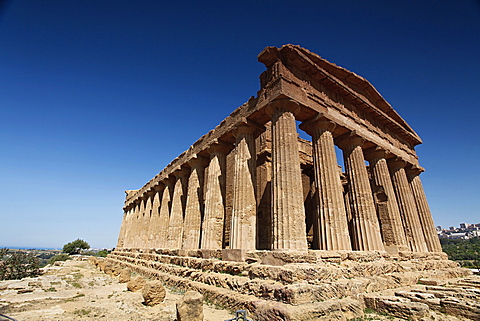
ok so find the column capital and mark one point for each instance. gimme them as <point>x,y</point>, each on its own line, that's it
<point>282,105</point>
<point>317,122</point>
<point>349,139</point>
<point>158,187</point>
<point>181,172</point>
<point>375,153</point>
<point>218,146</point>
<point>396,163</point>
<point>168,181</point>
<point>198,161</point>
<point>248,127</point>
<point>414,169</point>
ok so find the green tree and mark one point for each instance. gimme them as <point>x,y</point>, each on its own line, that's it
<point>18,265</point>
<point>59,257</point>
<point>75,247</point>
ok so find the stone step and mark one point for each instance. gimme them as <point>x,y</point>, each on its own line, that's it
<point>260,309</point>
<point>263,281</point>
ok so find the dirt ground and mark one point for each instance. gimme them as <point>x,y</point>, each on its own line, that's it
<point>76,290</point>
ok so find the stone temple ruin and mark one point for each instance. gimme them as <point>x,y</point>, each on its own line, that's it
<point>256,218</point>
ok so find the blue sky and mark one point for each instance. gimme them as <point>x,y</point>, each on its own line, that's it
<point>96,97</point>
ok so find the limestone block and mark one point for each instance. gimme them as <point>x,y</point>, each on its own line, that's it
<point>117,269</point>
<point>101,265</point>
<point>125,276</point>
<point>108,268</point>
<point>399,307</point>
<point>136,284</point>
<point>153,293</point>
<point>190,307</point>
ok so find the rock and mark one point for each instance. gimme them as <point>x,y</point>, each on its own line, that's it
<point>117,269</point>
<point>101,265</point>
<point>190,307</point>
<point>136,284</point>
<point>125,276</point>
<point>399,307</point>
<point>153,293</point>
<point>108,268</point>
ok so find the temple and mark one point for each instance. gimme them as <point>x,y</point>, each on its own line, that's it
<point>257,218</point>
<point>253,184</point>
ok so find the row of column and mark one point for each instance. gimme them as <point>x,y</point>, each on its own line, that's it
<point>397,218</point>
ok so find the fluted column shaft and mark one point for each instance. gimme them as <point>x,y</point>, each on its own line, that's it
<point>288,212</point>
<point>407,206</point>
<point>331,218</point>
<point>243,231</point>
<point>390,220</point>
<point>146,220</point>
<point>128,227</point>
<point>139,224</point>
<point>365,228</point>
<point>164,215</point>
<point>121,235</point>
<point>175,225</point>
<point>154,219</point>
<point>424,214</point>
<point>212,228</point>
<point>194,206</point>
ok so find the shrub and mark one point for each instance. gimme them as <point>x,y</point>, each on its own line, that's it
<point>102,253</point>
<point>18,265</point>
<point>59,257</point>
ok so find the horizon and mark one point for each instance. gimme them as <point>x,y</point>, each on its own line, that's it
<point>98,97</point>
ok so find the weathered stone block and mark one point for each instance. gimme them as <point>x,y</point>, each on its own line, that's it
<point>136,284</point>
<point>190,307</point>
<point>153,293</point>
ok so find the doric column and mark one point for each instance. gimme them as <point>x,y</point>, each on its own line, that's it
<point>264,189</point>
<point>194,207</point>
<point>407,206</point>
<point>387,207</point>
<point>146,219</point>
<point>243,231</point>
<point>365,228</point>
<point>154,219</point>
<point>128,228</point>
<point>164,215</point>
<point>288,213</point>
<point>121,235</point>
<point>138,222</point>
<point>424,214</point>
<point>330,222</point>
<point>175,225</point>
<point>212,228</point>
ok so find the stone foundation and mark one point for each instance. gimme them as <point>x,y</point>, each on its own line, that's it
<point>286,285</point>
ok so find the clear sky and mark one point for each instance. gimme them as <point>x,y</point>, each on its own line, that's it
<point>97,97</point>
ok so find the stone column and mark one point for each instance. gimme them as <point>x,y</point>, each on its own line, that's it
<point>121,235</point>
<point>387,207</point>
<point>138,222</point>
<point>331,217</point>
<point>288,213</point>
<point>212,229</point>
<point>175,225</point>
<point>128,228</point>
<point>365,228</point>
<point>244,213</point>
<point>264,188</point>
<point>424,214</point>
<point>194,207</point>
<point>146,219</point>
<point>407,206</point>
<point>164,215</point>
<point>154,220</point>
